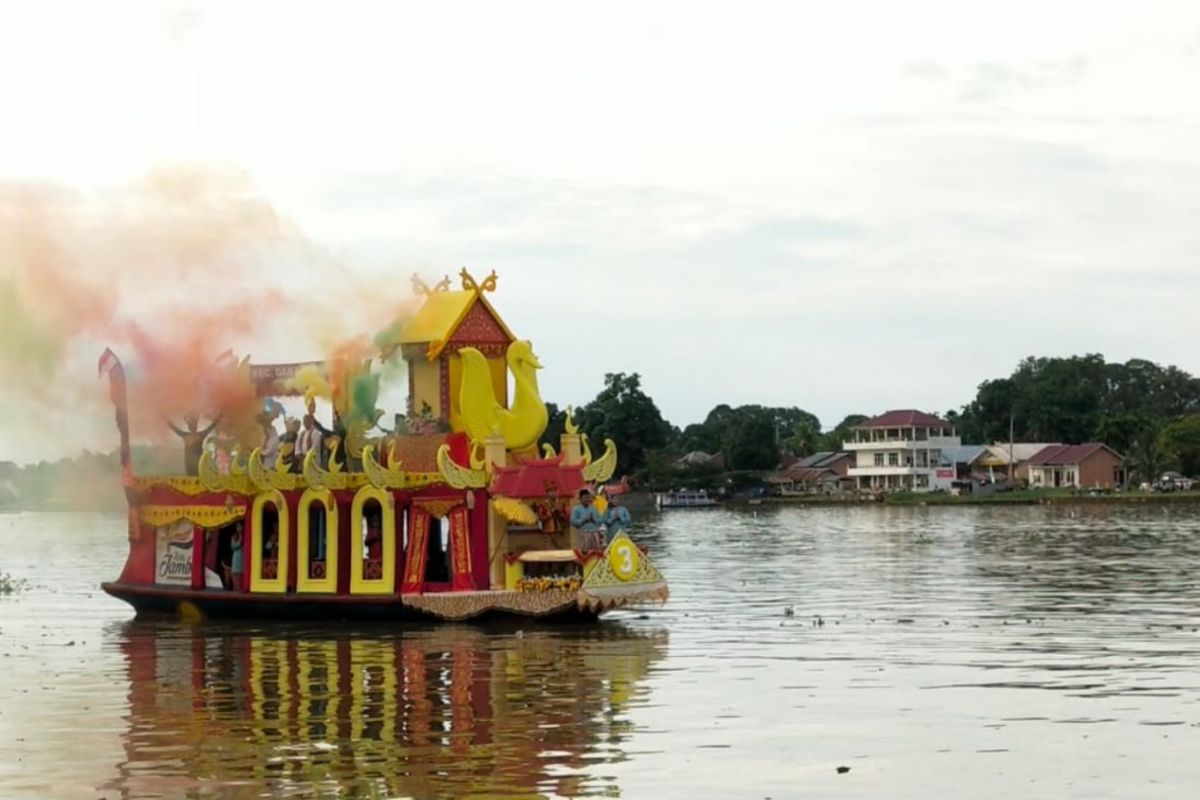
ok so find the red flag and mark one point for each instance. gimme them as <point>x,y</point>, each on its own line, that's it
<point>110,365</point>
<point>108,360</point>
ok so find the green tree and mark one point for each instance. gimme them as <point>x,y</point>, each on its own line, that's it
<point>555,427</point>
<point>1180,443</point>
<point>835,439</point>
<point>750,440</point>
<point>627,415</point>
<point>805,437</point>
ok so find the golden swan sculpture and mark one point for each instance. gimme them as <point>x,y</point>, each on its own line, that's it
<point>522,424</point>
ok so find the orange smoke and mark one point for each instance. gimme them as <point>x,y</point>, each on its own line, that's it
<point>170,272</point>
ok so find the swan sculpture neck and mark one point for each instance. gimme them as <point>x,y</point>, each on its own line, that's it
<point>527,395</point>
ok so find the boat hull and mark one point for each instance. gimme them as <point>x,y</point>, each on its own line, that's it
<point>210,604</point>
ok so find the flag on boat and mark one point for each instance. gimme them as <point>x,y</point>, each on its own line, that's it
<point>108,362</point>
<point>110,365</point>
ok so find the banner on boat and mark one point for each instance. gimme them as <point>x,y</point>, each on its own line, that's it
<point>269,379</point>
<point>173,553</point>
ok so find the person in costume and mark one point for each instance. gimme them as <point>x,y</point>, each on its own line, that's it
<point>585,523</point>
<point>616,516</point>
<point>193,441</point>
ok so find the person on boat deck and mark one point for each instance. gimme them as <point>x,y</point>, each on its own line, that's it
<point>374,538</point>
<point>237,560</point>
<point>223,444</point>
<point>587,521</point>
<point>193,441</point>
<point>616,516</point>
<point>212,543</point>
<point>287,442</point>
<point>552,518</point>
<point>309,439</point>
<point>270,445</point>
<point>271,548</point>
<point>336,434</point>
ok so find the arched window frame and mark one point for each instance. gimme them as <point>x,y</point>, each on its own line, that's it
<point>386,583</point>
<point>304,583</point>
<point>278,584</point>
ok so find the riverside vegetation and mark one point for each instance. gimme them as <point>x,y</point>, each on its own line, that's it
<point>1148,413</point>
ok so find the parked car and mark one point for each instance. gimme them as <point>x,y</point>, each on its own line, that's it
<point>1173,482</point>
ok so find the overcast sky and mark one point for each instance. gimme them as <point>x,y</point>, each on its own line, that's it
<point>847,207</point>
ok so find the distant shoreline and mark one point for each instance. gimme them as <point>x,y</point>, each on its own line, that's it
<point>1018,498</point>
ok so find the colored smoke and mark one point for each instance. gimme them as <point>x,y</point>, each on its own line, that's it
<point>171,272</point>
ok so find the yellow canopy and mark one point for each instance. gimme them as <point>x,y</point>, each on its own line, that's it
<point>439,317</point>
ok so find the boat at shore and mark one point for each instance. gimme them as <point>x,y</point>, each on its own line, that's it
<point>685,498</point>
<point>454,515</point>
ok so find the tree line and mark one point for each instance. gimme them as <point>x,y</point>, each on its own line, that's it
<point>1148,413</point>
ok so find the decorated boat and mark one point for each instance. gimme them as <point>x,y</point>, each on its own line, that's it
<point>454,514</point>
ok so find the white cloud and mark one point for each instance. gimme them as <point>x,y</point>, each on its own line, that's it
<point>843,206</point>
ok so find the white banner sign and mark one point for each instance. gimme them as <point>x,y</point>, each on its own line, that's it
<point>173,551</point>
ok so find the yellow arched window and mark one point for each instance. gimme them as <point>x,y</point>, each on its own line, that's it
<point>317,544</point>
<point>372,542</point>
<point>269,546</point>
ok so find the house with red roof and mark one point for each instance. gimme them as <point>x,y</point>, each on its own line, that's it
<point>824,472</point>
<point>901,451</point>
<point>1080,466</point>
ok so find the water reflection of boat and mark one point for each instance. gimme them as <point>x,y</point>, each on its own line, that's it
<point>450,711</point>
<point>456,514</point>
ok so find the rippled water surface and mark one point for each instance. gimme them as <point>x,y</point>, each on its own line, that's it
<point>952,652</point>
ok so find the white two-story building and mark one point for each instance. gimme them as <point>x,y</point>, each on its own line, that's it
<point>901,451</point>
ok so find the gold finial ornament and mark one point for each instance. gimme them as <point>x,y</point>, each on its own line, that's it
<point>569,425</point>
<point>469,284</point>
<point>424,290</point>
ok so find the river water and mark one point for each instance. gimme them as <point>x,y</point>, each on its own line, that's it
<point>954,652</point>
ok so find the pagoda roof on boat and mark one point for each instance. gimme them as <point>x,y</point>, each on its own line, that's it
<point>444,311</point>
<point>534,477</point>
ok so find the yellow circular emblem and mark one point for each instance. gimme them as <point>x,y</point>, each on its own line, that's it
<point>623,559</point>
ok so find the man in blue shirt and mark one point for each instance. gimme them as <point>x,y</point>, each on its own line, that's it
<point>616,516</point>
<point>587,521</point>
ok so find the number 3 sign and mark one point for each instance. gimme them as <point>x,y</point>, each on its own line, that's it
<point>623,559</point>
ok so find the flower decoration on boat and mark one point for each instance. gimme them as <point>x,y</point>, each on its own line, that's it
<point>550,584</point>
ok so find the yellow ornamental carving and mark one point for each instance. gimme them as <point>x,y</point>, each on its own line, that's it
<point>204,516</point>
<point>625,575</point>
<point>214,481</point>
<point>381,477</point>
<point>602,469</point>
<point>189,485</point>
<point>394,476</point>
<point>469,284</point>
<point>357,439</point>
<point>457,476</point>
<point>335,478</point>
<point>438,508</point>
<point>265,479</point>
<point>319,478</point>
